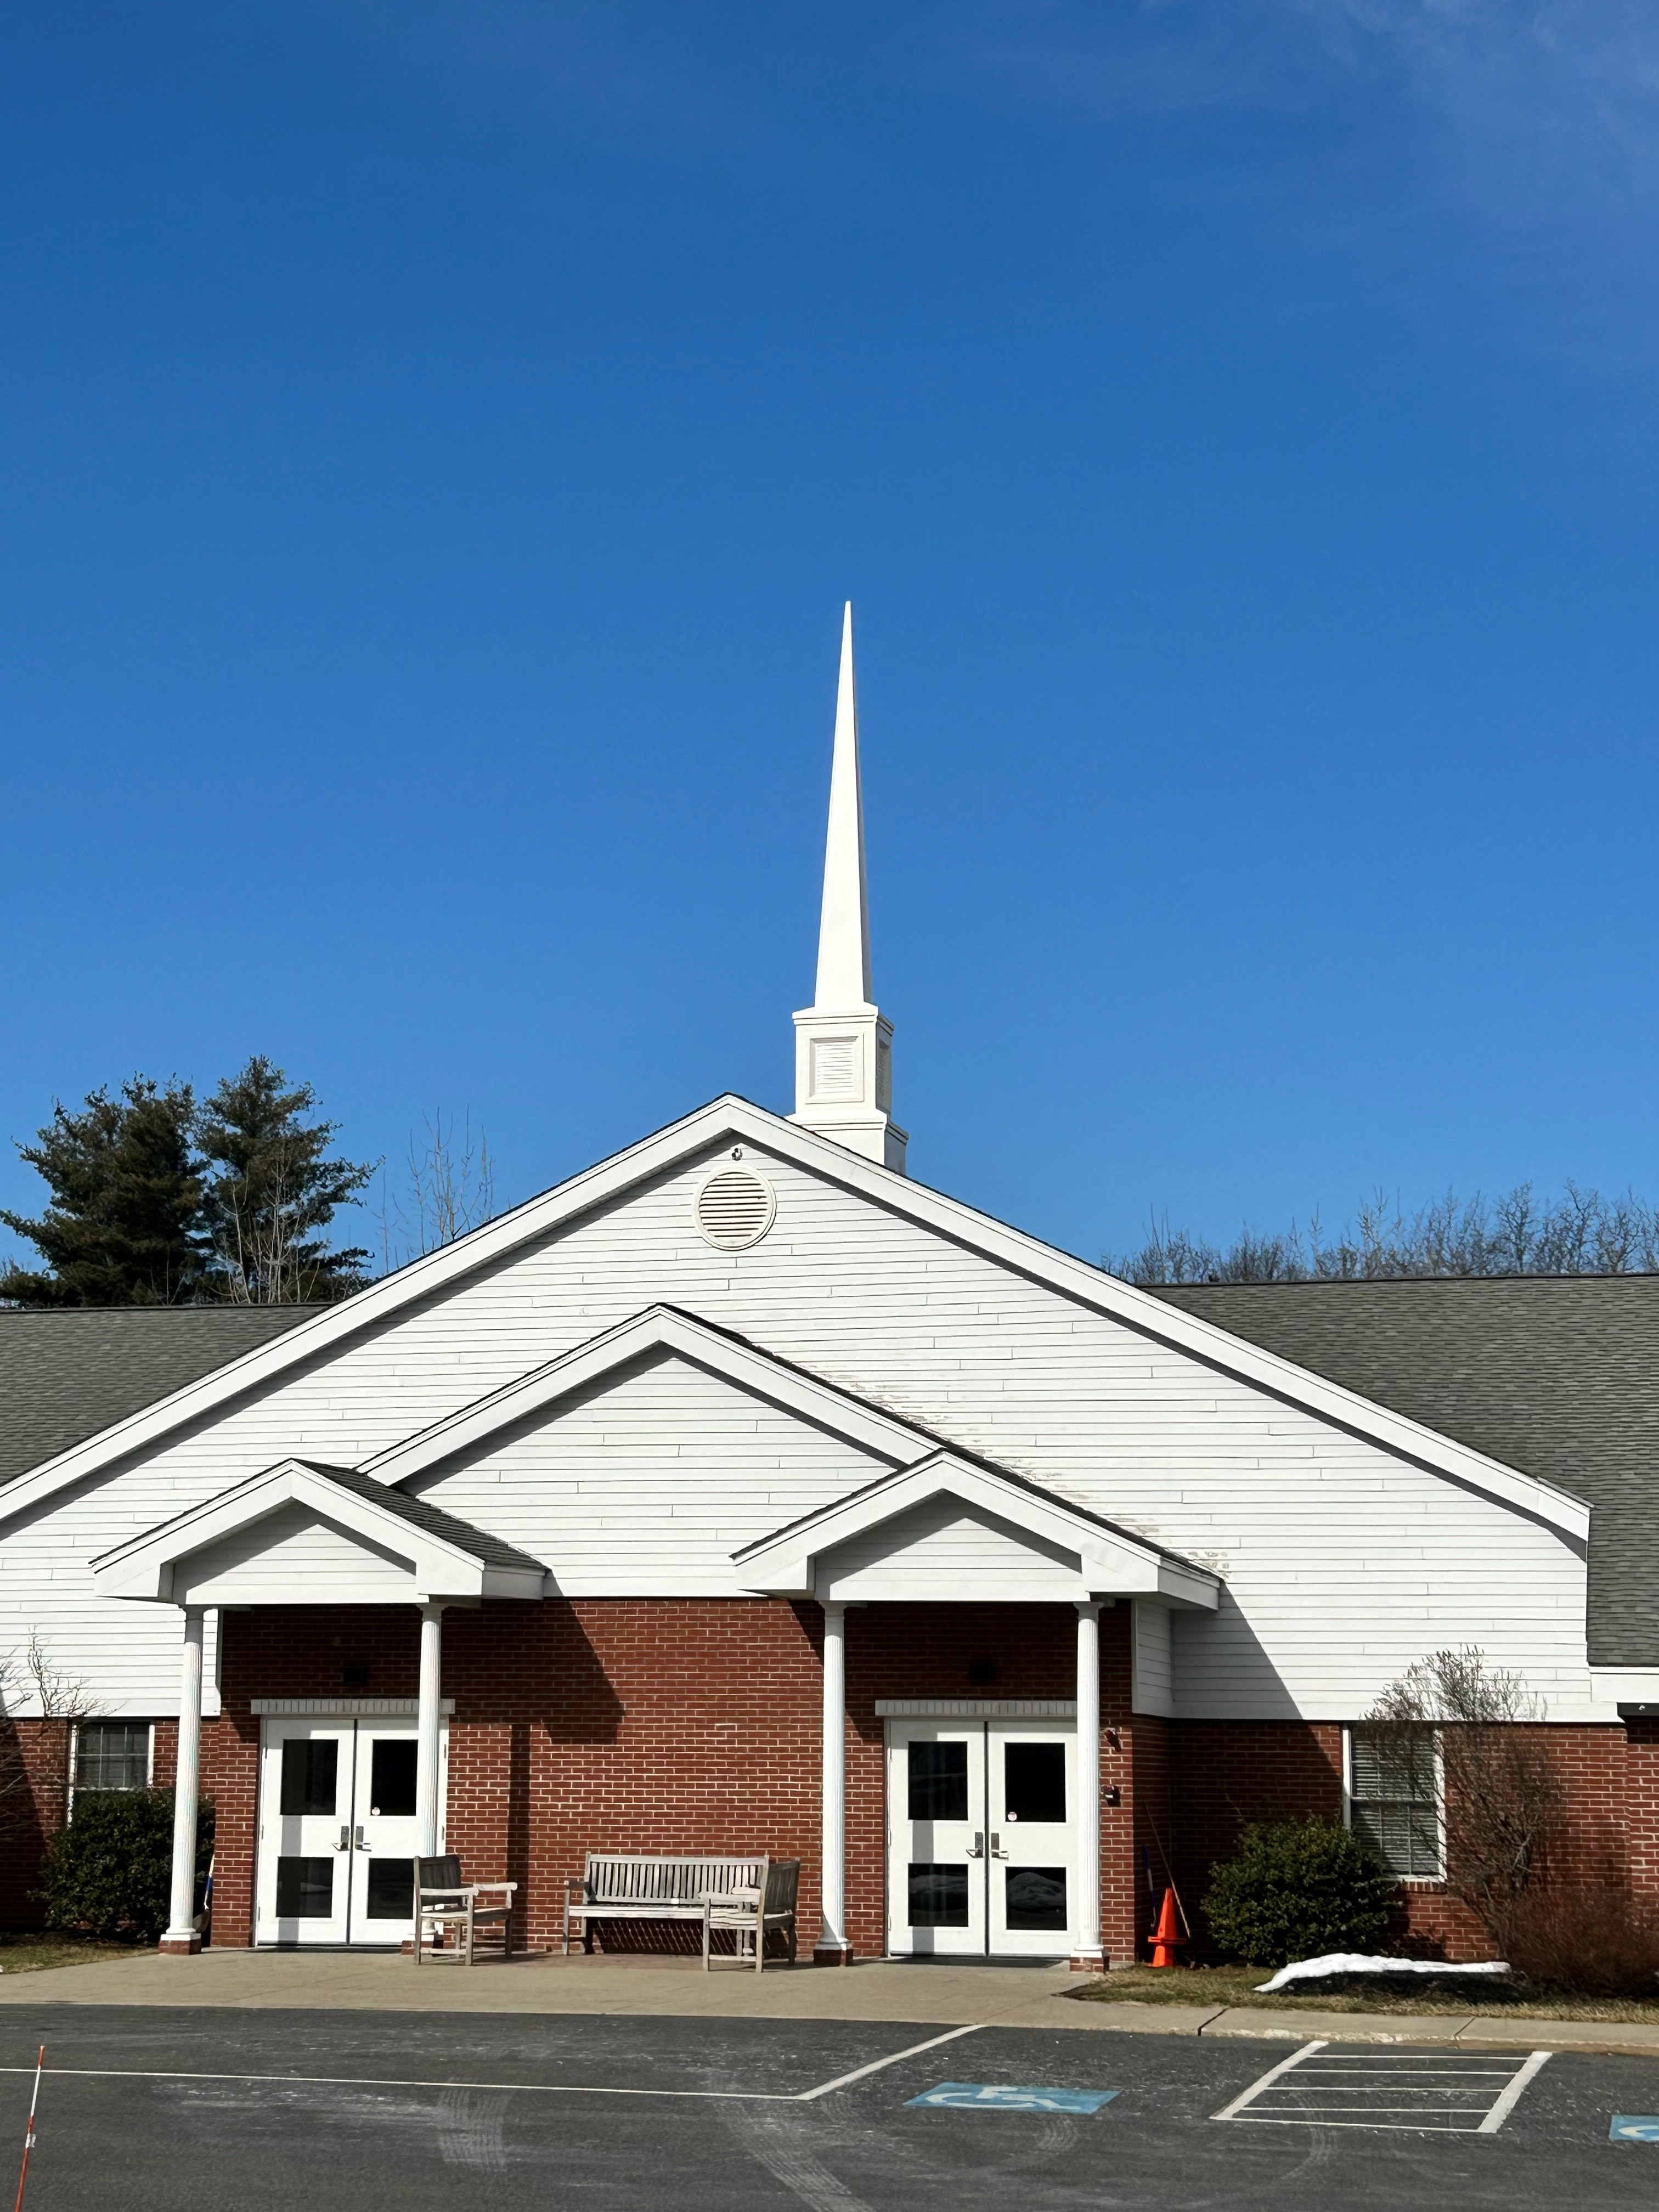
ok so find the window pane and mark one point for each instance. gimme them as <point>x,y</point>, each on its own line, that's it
<point>1404,1837</point>
<point>1035,1899</point>
<point>1034,1775</point>
<point>310,1770</point>
<point>1394,1766</point>
<point>391,1889</point>
<point>1394,1798</point>
<point>304,1889</point>
<point>392,1778</point>
<point>111,1755</point>
<point>938,1782</point>
<point>939,1896</point>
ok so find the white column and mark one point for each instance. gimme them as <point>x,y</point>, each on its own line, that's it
<point>1085,1946</point>
<point>833,1938</point>
<point>427,1728</point>
<point>181,1936</point>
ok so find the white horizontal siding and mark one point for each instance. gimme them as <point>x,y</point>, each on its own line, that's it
<point>647,1485</point>
<point>293,1557</point>
<point>943,1550</point>
<point>1152,1668</point>
<point>1342,1564</point>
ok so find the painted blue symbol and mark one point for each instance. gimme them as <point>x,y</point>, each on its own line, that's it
<point>1634,2127</point>
<point>993,2097</point>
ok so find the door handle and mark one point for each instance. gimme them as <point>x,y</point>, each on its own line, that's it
<point>997,1852</point>
<point>977,1849</point>
<point>344,1843</point>
<point>357,1838</point>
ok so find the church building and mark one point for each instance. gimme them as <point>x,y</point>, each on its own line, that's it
<point>742,1494</point>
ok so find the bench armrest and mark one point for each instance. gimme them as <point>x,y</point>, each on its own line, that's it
<point>494,1888</point>
<point>576,1887</point>
<point>730,1897</point>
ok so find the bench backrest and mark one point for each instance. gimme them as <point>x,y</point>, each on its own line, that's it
<point>442,1874</point>
<point>614,1880</point>
<point>782,1882</point>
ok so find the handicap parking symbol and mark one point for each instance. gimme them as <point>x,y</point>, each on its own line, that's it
<point>994,2097</point>
<point>1634,2127</point>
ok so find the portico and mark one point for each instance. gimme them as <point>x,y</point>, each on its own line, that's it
<point>951,1530</point>
<point>294,1535</point>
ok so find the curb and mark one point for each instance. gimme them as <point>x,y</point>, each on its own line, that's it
<point>1621,2039</point>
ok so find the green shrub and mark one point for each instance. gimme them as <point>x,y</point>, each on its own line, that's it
<point>1297,1889</point>
<point>110,1872</point>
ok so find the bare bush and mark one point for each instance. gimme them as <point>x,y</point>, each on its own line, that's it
<point>34,1687</point>
<point>1587,1939</point>
<point>1479,1726</point>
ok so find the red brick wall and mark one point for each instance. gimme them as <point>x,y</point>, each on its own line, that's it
<point>692,1725</point>
<point>666,1724</point>
<point>1227,1773</point>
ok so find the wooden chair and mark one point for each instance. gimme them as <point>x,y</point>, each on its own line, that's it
<point>448,1913</point>
<point>750,1912</point>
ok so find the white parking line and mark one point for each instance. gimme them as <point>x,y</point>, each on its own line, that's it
<point>1511,2096</point>
<point>526,2088</point>
<point>1425,2094</point>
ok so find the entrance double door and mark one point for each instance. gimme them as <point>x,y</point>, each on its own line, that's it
<point>337,1835</point>
<point>981,1837</point>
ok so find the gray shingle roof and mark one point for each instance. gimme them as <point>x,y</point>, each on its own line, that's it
<point>1556,1376</point>
<point>479,1542</point>
<point>66,1374</point>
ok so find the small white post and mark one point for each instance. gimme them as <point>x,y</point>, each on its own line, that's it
<point>427,1726</point>
<point>1086,1953</point>
<point>831,1948</point>
<point>181,1938</point>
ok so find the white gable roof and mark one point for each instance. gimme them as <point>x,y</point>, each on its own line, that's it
<point>300,1534</point>
<point>659,1328</point>
<point>1097,1558</point>
<point>734,1120</point>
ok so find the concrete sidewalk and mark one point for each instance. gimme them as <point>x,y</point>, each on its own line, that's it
<point>875,1989</point>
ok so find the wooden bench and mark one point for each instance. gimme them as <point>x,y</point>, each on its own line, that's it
<point>750,1912</point>
<point>449,1913</point>
<point>622,1888</point>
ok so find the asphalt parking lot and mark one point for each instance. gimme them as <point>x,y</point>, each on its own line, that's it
<point>198,2111</point>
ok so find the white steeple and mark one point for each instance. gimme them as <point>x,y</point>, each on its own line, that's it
<point>844,1060</point>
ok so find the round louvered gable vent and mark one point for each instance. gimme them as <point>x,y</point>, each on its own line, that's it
<point>735,1208</point>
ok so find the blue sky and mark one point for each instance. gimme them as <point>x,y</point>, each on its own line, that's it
<point>437,440</point>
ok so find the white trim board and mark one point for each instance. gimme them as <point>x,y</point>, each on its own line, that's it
<point>734,1121</point>
<point>350,1709</point>
<point>976,1708</point>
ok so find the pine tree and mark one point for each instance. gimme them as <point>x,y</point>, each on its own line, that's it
<point>122,1225</point>
<point>275,1191</point>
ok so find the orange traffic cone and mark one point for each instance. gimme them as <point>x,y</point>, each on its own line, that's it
<point>1169,1934</point>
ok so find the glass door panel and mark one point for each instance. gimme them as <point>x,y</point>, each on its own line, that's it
<point>1031,1776</point>
<point>936,1839</point>
<point>305,1858</point>
<point>383,1834</point>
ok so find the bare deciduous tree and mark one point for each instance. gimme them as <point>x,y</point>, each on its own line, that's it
<point>1581,1233</point>
<point>34,1687</point>
<point>1477,1725</point>
<point>448,1188</point>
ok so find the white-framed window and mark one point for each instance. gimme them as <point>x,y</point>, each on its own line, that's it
<point>1394,1796</point>
<point>112,1755</point>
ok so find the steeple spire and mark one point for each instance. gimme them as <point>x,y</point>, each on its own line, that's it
<point>843,1066</point>
<point>844,923</point>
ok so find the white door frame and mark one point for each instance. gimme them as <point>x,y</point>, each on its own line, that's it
<point>986,1847</point>
<point>347,1837</point>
